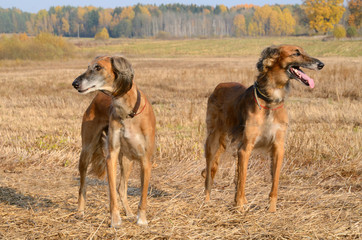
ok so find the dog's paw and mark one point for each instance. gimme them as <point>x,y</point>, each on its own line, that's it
<point>141,219</point>
<point>273,205</point>
<point>79,215</point>
<point>116,220</point>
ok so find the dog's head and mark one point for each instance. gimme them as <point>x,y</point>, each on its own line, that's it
<point>113,74</point>
<point>289,59</point>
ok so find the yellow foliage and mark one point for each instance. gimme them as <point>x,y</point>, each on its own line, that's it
<point>289,22</point>
<point>102,35</point>
<point>239,24</point>
<point>65,25</point>
<point>80,12</point>
<point>105,17</point>
<point>355,17</point>
<point>127,13</point>
<point>223,8</point>
<point>23,37</point>
<point>144,10</point>
<point>323,15</point>
<point>206,11</point>
<point>43,46</point>
<point>254,29</point>
<point>339,31</point>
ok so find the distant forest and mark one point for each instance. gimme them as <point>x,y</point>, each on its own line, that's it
<point>170,20</point>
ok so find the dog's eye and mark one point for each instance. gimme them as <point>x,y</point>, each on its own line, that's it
<point>98,68</point>
<point>297,53</point>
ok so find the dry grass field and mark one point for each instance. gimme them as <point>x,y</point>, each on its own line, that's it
<point>320,194</point>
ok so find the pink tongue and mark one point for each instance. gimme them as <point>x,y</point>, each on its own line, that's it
<point>307,78</point>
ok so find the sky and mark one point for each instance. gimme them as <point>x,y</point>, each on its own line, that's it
<point>34,6</point>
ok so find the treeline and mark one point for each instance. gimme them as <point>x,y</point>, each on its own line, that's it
<point>170,20</point>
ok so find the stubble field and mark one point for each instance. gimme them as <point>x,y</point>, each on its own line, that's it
<point>320,194</point>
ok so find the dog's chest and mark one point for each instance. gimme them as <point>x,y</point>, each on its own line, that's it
<point>132,142</point>
<point>268,132</point>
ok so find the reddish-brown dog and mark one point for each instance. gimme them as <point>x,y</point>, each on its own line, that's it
<point>119,122</point>
<point>255,117</point>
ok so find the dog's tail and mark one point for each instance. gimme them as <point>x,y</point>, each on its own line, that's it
<point>98,159</point>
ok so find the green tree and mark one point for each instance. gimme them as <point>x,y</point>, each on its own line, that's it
<point>352,32</point>
<point>91,22</point>
<point>323,14</point>
<point>122,29</point>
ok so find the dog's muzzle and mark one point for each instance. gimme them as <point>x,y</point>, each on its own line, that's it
<point>320,65</point>
<point>75,83</point>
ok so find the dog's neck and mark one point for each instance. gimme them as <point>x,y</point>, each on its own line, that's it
<point>124,105</point>
<point>273,88</point>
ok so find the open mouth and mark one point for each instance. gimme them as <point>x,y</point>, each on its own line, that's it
<point>82,91</point>
<point>298,74</point>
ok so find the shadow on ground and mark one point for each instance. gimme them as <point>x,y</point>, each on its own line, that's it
<point>11,197</point>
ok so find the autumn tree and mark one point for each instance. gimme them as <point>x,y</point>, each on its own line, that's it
<point>355,9</point>
<point>105,18</point>
<point>65,26</point>
<point>219,9</point>
<point>289,22</point>
<point>239,24</point>
<point>323,14</point>
<point>127,13</point>
<point>261,18</point>
<point>102,35</point>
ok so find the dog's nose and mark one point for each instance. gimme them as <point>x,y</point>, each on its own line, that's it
<point>320,65</point>
<point>76,84</point>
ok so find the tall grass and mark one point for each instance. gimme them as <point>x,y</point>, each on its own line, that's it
<point>42,47</point>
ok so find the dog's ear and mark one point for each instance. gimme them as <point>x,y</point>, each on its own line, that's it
<point>123,75</point>
<point>268,57</point>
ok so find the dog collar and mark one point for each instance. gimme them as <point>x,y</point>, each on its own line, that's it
<point>134,113</point>
<point>259,94</point>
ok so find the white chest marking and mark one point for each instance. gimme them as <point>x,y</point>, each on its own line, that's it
<point>278,94</point>
<point>268,132</point>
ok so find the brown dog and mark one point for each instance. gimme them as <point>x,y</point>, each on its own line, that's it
<point>121,119</point>
<point>255,117</point>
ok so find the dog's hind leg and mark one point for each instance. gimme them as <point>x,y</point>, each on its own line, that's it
<point>218,153</point>
<point>145,179</point>
<point>126,168</point>
<point>214,147</point>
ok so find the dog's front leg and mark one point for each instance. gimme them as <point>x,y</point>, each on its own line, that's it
<point>277,159</point>
<point>114,145</point>
<point>145,180</point>
<point>243,158</point>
